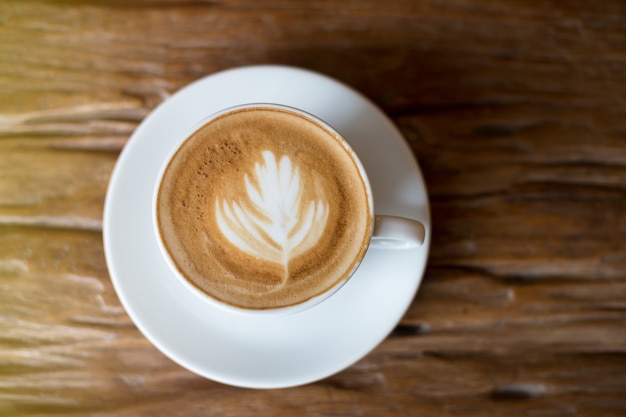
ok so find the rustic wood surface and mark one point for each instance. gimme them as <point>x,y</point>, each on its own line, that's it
<point>515,110</point>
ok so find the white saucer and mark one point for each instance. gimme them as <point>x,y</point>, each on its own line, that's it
<point>264,352</point>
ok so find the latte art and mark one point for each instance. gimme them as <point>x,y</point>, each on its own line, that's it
<point>263,208</point>
<point>271,221</point>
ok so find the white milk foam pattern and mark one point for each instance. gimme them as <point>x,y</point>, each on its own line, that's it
<point>271,221</point>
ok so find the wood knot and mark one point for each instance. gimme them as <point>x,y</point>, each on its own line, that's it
<point>516,392</point>
<point>411,329</point>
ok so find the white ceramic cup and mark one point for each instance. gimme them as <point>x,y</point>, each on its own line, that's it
<point>387,232</point>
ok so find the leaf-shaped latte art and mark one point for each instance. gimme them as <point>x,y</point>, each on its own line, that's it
<point>272,222</point>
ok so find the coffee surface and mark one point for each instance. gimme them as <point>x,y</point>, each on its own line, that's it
<point>263,208</point>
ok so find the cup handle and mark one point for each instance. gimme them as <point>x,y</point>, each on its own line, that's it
<point>392,232</point>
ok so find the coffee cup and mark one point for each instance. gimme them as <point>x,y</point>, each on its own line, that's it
<point>266,209</point>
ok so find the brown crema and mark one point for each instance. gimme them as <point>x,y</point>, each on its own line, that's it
<point>244,190</point>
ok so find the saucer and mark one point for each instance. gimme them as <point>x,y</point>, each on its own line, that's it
<point>276,351</point>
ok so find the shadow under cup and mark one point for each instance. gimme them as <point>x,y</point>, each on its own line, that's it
<point>266,209</point>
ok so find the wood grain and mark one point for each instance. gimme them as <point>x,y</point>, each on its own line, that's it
<point>515,110</point>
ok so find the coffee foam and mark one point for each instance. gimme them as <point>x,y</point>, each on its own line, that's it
<point>262,208</point>
<point>270,220</point>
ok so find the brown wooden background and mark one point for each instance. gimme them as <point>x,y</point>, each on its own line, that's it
<point>515,109</point>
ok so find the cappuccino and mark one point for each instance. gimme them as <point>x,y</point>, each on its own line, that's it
<point>262,208</point>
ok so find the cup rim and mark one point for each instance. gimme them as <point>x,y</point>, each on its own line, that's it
<point>271,311</point>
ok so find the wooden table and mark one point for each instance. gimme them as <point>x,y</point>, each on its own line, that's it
<point>515,110</point>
